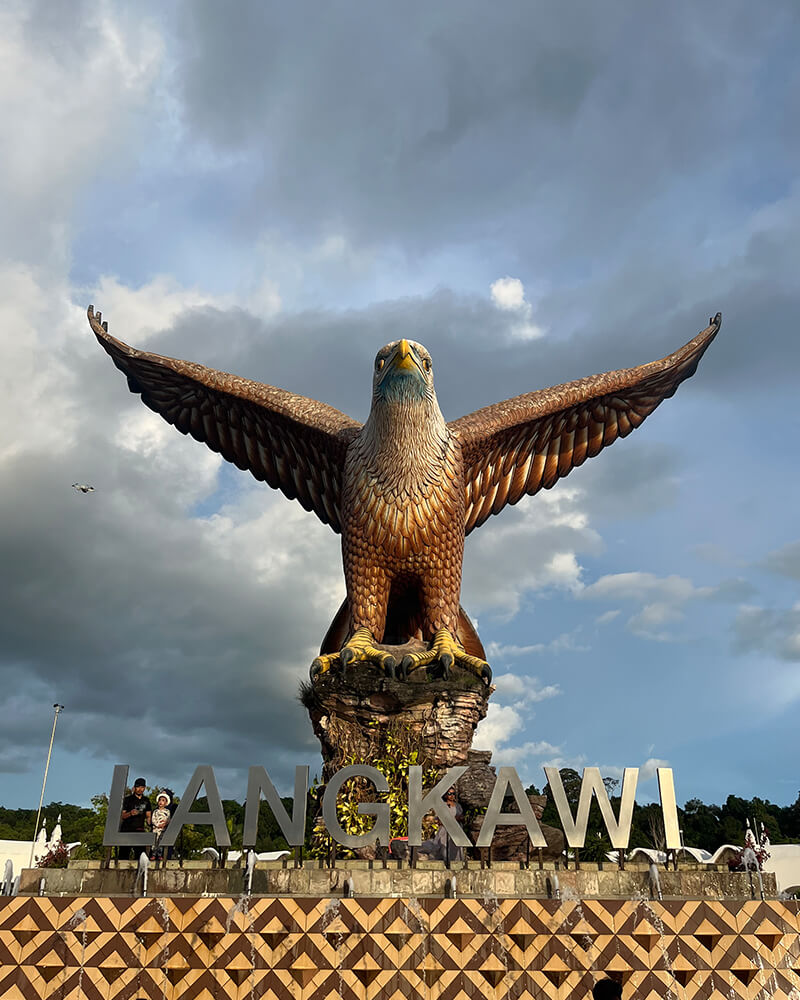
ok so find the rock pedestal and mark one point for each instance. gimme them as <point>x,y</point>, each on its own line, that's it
<point>353,714</point>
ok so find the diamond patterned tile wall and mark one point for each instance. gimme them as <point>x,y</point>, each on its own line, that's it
<point>191,948</point>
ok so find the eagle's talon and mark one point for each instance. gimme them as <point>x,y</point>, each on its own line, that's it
<point>359,648</point>
<point>486,675</point>
<point>321,665</point>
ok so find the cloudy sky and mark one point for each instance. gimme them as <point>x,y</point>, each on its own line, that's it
<point>535,191</point>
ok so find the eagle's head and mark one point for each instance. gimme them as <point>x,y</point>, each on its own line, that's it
<point>403,372</point>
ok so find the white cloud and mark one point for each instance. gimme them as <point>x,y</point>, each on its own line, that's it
<point>151,308</point>
<point>618,586</point>
<point>520,756</point>
<point>567,642</point>
<point>67,116</point>
<point>500,723</point>
<point>508,295</point>
<point>663,600</point>
<point>542,539</point>
<point>647,771</point>
<point>36,407</point>
<point>494,733</point>
<point>524,690</point>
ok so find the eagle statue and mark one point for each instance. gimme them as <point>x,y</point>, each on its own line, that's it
<point>405,488</point>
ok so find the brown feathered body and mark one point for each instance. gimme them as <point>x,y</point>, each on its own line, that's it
<point>405,488</point>
<point>403,523</point>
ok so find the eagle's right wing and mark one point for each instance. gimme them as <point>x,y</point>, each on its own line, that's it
<point>528,443</point>
<point>294,444</point>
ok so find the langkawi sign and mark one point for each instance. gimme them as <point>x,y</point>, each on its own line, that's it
<point>419,803</point>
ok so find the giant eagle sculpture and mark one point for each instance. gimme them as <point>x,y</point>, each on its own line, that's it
<point>405,488</point>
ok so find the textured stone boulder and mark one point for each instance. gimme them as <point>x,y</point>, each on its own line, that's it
<point>352,713</point>
<point>475,787</point>
<point>510,843</point>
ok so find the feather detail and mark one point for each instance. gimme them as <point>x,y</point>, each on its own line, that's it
<point>565,452</point>
<point>580,447</point>
<point>611,428</point>
<point>561,427</point>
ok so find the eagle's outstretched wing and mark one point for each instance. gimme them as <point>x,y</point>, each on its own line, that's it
<point>295,444</point>
<point>527,443</point>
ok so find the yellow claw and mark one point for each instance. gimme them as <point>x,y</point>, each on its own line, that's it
<point>359,648</point>
<point>322,664</point>
<point>447,651</point>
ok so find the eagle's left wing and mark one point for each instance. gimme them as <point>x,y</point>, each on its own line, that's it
<point>296,445</point>
<point>525,444</point>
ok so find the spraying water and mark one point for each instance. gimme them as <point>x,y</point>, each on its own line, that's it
<point>251,864</point>
<point>141,873</point>
<point>78,918</point>
<point>655,882</point>
<point>750,862</point>
<point>8,879</point>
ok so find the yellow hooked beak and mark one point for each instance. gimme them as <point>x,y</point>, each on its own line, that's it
<point>403,357</point>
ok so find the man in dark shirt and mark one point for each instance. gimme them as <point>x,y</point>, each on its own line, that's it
<point>136,810</point>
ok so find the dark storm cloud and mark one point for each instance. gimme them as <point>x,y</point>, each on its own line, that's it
<point>526,122</point>
<point>156,628</point>
<point>636,160</point>
<point>120,594</point>
<point>165,628</point>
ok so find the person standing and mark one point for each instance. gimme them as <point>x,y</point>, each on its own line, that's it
<point>159,822</point>
<point>136,812</point>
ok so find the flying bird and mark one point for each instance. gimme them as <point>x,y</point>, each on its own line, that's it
<point>405,488</point>
<point>82,488</point>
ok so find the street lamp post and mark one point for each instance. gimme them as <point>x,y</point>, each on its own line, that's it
<point>58,710</point>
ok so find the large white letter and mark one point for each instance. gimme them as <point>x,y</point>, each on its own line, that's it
<point>215,816</point>
<point>418,805</point>
<point>669,807</point>
<point>575,830</point>
<point>508,778</point>
<point>380,810</point>
<point>293,829</point>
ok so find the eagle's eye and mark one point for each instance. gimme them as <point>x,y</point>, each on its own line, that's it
<point>426,364</point>
<point>379,363</point>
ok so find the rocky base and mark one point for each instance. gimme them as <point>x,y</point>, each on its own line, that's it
<point>353,713</point>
